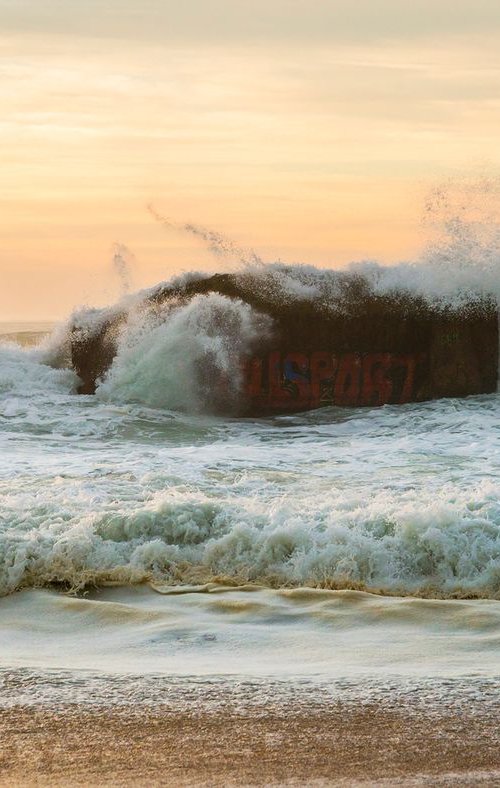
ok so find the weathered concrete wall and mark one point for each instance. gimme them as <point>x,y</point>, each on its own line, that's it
<point>377,350</point>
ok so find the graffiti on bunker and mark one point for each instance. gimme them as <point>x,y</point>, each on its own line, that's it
<point>285,381</point>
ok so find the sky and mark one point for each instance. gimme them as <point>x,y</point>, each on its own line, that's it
<point>308,130</point>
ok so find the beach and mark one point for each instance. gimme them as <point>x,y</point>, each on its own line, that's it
<point>250,394</point>
<point>224,733</point>
<point>189,600</point>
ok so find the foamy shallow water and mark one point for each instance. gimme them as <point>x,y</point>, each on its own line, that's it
<point>403,501</point>
<point>251,632</point>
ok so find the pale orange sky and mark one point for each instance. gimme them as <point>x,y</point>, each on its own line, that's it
<point>307,130</point>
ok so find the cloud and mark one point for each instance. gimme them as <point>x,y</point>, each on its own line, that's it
<point>233,21</point>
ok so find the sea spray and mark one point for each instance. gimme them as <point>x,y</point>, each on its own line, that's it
<point>400,501</point>
<point>104,489</point>
<point>338,338</point>
<point>167,357</point>
<point>218,244</point>
<point>457,276</point>
<point>123,261</point>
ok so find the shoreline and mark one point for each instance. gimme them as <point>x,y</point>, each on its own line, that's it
<point>91,731</point>
<point>336,746</point>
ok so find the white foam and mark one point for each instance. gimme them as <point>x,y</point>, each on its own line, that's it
<point>400,500</point>
<point>170,357</point>
<point>101,489</point>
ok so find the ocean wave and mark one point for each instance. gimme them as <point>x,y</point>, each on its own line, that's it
<point>395,500</point>
<point>98,490</point>
<point>119,530</point>
<point>167,357</point>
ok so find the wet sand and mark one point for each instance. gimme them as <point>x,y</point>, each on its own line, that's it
<point>269,743</point>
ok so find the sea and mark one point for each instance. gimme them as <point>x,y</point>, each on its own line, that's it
<point>341,550</point>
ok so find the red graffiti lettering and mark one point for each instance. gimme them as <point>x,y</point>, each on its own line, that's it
<point>323,370</point>
<point>298,381</point>
<point>347,383</point>
<point>410,362</point>
<point>377,386</point>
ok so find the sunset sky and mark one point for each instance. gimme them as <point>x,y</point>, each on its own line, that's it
<point>309,130</point>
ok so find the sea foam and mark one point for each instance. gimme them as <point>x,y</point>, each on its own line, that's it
<point>122,488</point>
